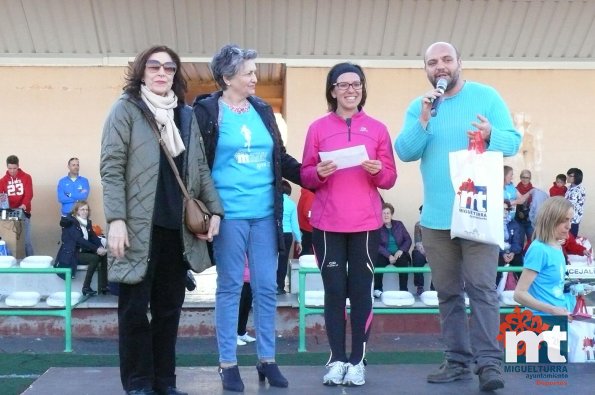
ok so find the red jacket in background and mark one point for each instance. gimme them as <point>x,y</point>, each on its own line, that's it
<point>523,189</point>
<point>558,191</point>
<point>19,189</point>
<point>304,208</point>
<point>571,247</point>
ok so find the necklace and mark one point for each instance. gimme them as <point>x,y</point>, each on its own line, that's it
<point>240,109</point>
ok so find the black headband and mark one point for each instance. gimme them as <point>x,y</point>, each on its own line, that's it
<point>345,68</point>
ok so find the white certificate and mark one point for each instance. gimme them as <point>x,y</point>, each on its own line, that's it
<point>346,157</point>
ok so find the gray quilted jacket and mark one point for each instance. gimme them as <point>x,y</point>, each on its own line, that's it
<point>129,170</point>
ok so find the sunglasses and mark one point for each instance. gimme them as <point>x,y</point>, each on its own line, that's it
<point>153,66</point>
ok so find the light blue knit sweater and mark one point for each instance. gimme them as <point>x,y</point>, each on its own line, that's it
<point>447,132</point>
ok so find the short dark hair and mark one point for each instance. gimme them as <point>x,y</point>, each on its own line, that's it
<point>228,61</point>
<point>388,206</point>
<point>12,160</point>
<point>136,73</point>
<point>331,78</point>
<point>71,159</point>
<point>286,187</point>
<point>561,177</point>
<point>577,173</point>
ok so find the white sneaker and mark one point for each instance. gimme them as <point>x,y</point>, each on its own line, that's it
<point>356,374</point>
<point>240,342</point>
<point>335,374</point>
<point>377,293</point>
<point>246,338</point>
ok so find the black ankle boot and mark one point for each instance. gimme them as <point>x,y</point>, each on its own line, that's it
<point>271,371</point>
<point>88,291</point>
<point>230,378</point>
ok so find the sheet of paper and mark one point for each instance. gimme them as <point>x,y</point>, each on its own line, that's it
<point>346,157</point>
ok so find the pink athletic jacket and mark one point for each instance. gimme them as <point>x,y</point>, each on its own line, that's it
<point>348,200</point>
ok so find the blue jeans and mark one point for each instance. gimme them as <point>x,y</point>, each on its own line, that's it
<point>28,243</point>
<point>256,238</point>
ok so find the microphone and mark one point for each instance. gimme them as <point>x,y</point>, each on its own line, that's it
<point>441,86</point>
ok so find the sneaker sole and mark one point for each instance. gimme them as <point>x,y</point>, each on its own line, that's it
<point>492,385</point>
<point>331,383</point>
<point>466,376</point>
<point>353,383</point>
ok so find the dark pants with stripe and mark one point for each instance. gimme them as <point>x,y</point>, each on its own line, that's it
<point>341,281</point>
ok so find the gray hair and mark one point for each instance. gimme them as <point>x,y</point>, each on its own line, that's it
<point>228,61</point>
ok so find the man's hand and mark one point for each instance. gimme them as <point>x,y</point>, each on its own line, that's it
<point>484,126</point>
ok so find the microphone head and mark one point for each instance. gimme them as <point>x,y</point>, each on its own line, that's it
<point>441,84</point>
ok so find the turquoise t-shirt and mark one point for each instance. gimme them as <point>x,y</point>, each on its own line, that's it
<point>550,264</point>
<point>243,165</point>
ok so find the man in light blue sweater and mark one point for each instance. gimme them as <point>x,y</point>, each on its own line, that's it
<point>458,265</point>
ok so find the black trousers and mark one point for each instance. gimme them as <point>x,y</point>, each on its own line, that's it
<point>333,251</point>
<point>283,260</point>
<point>306,243</point>
<point>418,260</point>
<point>403,261</point>
<point>94,263</point>
<point>148,347</point>
<point>245,307</point>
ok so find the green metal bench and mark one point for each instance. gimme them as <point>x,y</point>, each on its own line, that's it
<point>65,312</point>
<point>308,310</point>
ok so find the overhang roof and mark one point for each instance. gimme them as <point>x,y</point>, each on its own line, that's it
<point>302,32</point>
<point>551,34</point>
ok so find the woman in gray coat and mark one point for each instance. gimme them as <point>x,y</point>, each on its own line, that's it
<point>150,249</point>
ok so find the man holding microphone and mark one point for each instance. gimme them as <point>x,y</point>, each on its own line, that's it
<point>458,265</point>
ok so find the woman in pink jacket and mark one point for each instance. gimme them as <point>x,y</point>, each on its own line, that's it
<point>346,214</point>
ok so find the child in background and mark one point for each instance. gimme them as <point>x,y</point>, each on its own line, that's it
<point>541,286</point>
<point>559,187</point>
<point>245,307</point>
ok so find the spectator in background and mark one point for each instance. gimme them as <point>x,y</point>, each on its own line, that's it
<point>514,239</point>
<point>395,243</point>
<point>346,215</point>
<point>541,285</point>
<point>525,188</point>
<point>559,187</point>
<point>304,209</point>
<point>245,307</point>
<point>576,195</point>
<point>81,246</point>
<point>19,187</point>
<point>72,188</point>
<point>291,230</point>
<point>418,257</point>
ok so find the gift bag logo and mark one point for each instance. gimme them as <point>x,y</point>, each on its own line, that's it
<point>473,199</point>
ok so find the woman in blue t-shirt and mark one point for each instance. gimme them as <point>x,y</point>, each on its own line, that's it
<point>248,160</point>
<point>541,285</point>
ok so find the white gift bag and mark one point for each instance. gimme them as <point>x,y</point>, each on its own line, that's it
<point>581,342</point>
<point>477,178</point>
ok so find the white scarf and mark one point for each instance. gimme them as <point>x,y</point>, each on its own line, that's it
<point>162,108</point>
<point>83,222</point>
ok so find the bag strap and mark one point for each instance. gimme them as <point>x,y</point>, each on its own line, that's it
<point>166,152</point>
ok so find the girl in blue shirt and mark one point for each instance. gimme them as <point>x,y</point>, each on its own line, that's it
<point>541,285</point>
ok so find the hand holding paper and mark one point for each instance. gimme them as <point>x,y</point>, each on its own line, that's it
<point>346,157</point>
